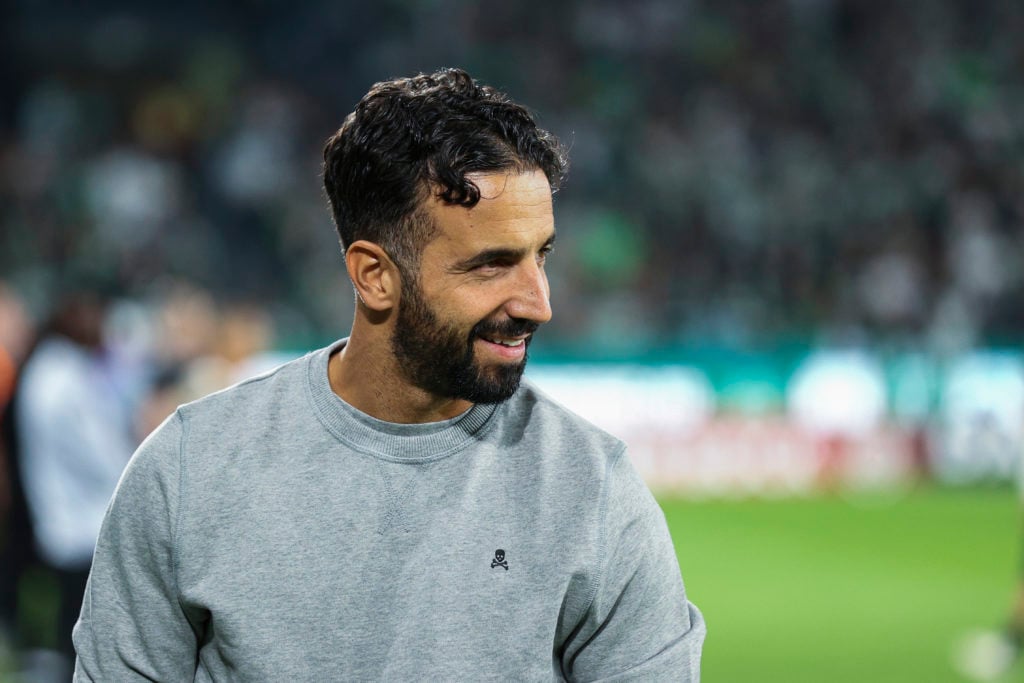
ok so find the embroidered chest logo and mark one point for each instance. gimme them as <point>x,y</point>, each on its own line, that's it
<point>499,559</point>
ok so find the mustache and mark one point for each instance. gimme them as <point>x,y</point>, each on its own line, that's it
<point>512,327</point>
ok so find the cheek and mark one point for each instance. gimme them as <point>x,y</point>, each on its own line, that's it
<point>469,307</point>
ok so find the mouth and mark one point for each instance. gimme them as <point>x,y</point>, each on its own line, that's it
<point>506,348</point>
<point>505,340</point>
<point>510,343</point>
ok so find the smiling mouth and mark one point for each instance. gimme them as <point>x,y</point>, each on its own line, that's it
<point>510,343</point>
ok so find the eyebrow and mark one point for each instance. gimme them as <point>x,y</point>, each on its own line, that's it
<point>499,254</point>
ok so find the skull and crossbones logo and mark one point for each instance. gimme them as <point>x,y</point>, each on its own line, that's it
<point>499,559</point>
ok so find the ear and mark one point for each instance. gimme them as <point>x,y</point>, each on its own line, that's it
<point>374,275</point>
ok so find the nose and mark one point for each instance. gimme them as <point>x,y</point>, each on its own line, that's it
<point>531,299</point>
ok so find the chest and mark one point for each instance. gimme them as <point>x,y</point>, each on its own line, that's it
<point>388,572</point>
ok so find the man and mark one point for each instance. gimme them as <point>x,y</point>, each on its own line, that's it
<point>399,506</point>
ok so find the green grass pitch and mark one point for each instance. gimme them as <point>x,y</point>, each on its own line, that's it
<point>839,588</point>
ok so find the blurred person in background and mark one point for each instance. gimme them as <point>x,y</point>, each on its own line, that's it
<point>243,336</point>
<point>398,504</point>
<point>202,346</point>
<point>15,545</point>
<point>70,435</point>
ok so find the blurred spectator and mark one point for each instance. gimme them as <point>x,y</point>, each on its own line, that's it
<point>15,334</point>
<point>202,348</point>
<point>747,173</point>
<point>71,436</point>
<point>244,334</point>
<point>15,547</point>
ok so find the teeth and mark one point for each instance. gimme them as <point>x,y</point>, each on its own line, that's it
<point>517,342</point>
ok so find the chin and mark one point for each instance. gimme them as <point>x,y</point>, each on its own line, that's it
<point>494,385</point>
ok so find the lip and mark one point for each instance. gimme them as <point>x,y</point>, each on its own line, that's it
<point>505,352</point>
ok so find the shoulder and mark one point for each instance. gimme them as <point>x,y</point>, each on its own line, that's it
<point>590,459</point>
<point>561,439</point>
<point>51,359</point>
<point>193,442</point>
<point>250,398</point>
<point>52,375</point>
<point>532,404</point>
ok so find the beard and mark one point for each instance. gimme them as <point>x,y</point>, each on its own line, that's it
<point>438,358</point>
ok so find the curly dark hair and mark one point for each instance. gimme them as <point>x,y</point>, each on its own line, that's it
<point>410,137</point>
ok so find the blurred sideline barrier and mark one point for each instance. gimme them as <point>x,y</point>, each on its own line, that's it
<point>829,420</point>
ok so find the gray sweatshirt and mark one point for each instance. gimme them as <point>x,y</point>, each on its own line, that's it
<point>272,532</point>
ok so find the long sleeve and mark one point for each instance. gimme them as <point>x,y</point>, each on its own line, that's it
<point>640,625</point>
<point>133,626</point>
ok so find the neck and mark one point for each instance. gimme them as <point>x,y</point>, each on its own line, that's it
<point>364,373</point>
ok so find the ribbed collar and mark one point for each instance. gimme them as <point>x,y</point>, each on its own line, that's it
<point>389,440</point>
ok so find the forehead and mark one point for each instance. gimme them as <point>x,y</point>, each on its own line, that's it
<point>514,211</point>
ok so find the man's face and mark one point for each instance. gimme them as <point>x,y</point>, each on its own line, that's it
<point>462,329</point>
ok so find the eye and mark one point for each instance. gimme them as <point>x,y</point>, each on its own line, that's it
<point>542,255</point>
<point>491,268</point>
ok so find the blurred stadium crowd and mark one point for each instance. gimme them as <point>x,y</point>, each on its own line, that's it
<point>744,173</point>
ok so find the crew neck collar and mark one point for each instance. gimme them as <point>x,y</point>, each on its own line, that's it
<point>388,440</point>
